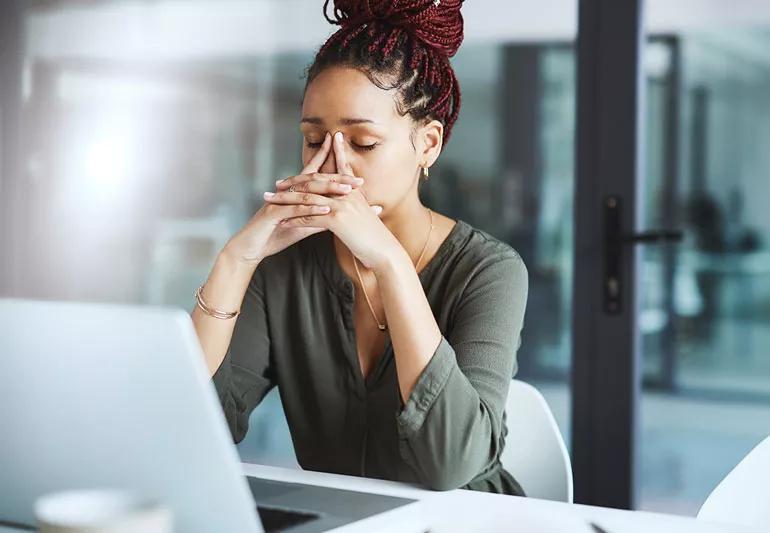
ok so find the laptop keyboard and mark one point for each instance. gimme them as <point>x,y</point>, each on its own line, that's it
<point>283,505</point>
<point>275,519</point>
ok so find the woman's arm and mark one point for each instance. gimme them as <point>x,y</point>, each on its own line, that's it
<point>224,290</point>
<point>455,387</point>
<point>237,350</point>
<point>414,333</point>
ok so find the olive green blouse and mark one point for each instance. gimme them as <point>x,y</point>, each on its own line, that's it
<point>296,331</point>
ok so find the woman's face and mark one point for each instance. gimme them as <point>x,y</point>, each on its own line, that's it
<point>377,139</point>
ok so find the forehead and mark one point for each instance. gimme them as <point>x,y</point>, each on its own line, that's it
<point>339,91</point>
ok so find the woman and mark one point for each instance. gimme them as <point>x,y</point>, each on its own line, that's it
<point>390,330</point>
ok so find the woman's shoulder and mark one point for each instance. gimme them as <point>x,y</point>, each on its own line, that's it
<point>481,270</point>
<point>479,249</point>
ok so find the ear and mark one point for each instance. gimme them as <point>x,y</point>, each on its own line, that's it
<point>430,139</point>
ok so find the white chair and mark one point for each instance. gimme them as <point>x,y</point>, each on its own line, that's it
<point>742,497</point>
<point>534,451</point>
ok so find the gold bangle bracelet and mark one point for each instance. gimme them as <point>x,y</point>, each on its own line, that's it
<point>216,313</point>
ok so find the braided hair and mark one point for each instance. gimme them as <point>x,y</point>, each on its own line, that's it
<point>403,45</point>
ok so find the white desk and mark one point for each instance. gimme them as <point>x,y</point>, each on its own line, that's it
<point>467,511</point>
<point>459,510</point>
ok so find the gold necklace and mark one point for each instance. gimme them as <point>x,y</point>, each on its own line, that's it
<point>384,327</point>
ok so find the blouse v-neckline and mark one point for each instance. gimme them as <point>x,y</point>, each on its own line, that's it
<point>340,283</point>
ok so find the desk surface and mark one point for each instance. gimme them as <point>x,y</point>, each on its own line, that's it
<point>467,511</point>
<point>462,510</point>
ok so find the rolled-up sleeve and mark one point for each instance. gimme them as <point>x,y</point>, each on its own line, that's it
<point>450,427</point>
<point>245,375</point>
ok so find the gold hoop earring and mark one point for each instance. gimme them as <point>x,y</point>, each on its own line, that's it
<point>425,173</point>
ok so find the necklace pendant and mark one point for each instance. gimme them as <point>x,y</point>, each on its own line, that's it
<point>383,327</point>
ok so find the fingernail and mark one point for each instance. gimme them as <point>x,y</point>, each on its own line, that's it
<point>269,195</point>
<point>338,136</point>
<point>377,209</point>
<point>359,181</point>
<point>278,182</point>
<point>345,187</point>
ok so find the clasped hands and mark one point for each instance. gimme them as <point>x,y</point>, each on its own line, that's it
<point>340,202</point>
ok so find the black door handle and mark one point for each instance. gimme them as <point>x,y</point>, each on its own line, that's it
<point>655,237</point>
<point>614,243</point>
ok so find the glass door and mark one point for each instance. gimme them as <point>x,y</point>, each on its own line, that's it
<point>672,285</point>
<point>705,308</point>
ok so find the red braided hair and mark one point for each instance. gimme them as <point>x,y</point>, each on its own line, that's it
<point>404,44</point>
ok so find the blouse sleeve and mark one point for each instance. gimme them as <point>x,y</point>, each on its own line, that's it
<point>450,427</point>
<point>245,375</point>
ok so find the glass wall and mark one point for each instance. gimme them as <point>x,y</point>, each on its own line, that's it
<point>704,320</point>
<point>152,129</point>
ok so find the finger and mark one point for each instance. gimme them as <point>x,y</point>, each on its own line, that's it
<point>283,212</point>
<point>343,167</point>
<point>295,198</point>
<point>306,221</point>
<point>316,220</point>
<point>363,194</point>
<point>320,156</point>
<point>323,187</point>
<point>315,176</point>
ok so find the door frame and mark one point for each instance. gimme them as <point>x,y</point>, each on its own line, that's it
<point>11,190</point>
<point>606,372</point>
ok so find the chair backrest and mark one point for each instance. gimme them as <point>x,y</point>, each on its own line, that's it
<point>742,496</point>
<point>534,451</point>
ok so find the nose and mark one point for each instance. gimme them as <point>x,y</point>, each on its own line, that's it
<point>330,165</point>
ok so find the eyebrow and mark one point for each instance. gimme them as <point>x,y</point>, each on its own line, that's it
<point>344,121</point>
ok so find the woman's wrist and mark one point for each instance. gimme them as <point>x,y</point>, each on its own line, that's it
<point>393,260</point>
<point>227,281</point>
<point>234,262</point>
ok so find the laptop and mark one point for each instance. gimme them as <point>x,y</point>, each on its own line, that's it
<point>113,396</point>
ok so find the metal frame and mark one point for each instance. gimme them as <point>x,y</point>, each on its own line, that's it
<point>671,219</point>
<point>11,64</point>
<point>606,381</point>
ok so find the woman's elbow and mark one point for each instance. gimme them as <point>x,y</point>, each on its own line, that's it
<point>443,485</point>
<point>447,478</point>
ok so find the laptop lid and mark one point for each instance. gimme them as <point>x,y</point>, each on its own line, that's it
<point>111,396</point>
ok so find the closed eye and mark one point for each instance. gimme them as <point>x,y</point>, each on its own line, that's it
<point>365,147</point>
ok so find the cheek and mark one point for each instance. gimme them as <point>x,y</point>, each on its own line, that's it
<point>399,164</point>
<point>401,154</point>
<point>374,166</point>
<point>387,171</point>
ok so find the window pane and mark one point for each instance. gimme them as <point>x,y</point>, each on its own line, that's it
<point>704,318</point>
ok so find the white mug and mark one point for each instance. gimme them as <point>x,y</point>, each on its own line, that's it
<point>101,511</point>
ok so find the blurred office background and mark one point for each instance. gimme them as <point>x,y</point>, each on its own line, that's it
<point>148,130</point>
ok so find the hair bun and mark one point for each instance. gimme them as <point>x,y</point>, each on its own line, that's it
<point>437,23</point>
